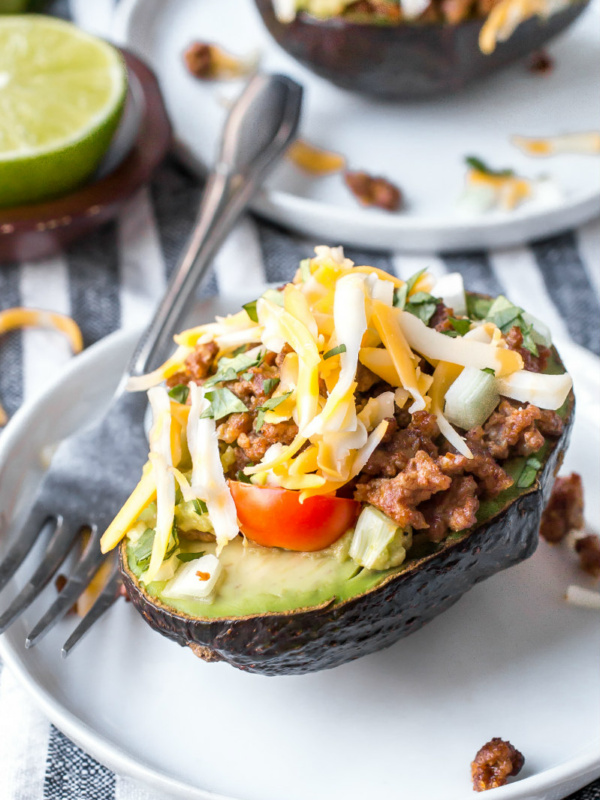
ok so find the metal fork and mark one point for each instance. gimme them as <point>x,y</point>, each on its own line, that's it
<point>93,471</point>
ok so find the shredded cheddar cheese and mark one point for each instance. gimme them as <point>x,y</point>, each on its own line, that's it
<point>333,318</point>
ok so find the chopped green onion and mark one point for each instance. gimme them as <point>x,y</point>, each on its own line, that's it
<point>180,393</point>
<point>222,403</point>
<point>335,351</point>
<point>471,398</point>
<point>190,556</point>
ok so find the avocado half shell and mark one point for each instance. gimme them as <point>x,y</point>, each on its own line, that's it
<point>409,61</point>
<point>312,639</point>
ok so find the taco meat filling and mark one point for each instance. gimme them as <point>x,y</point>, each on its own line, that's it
<point>414,476</point>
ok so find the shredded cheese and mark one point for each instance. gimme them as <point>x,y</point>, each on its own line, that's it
<point>208,481</point>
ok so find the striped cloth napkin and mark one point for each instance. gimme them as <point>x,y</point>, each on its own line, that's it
<point>112,280</point>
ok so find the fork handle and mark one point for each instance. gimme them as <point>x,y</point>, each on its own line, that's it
<point>260,127</point>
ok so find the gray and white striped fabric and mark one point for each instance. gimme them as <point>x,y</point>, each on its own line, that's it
<point>113,278</point>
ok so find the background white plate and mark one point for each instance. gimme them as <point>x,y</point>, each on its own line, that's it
<point>420,146</point>
<point>510,659</point>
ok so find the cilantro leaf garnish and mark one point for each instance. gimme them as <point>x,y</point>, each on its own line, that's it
<point>412,281</point>
<point>190,556</point>
<point>222,403</point>
<point>335,351</point>
<point>268,405</point>
<point>269,384</point>
<point>228,368</point>
<point>242,477</point>
<point>180,393</point>
<point>478,307</point>
<point>200,507</point>
<point>461,326</point>
<point>400,296</point>
<point>477,164</point>
<point>422,305</point>
<point>505,315</point>
<point>250,309</point>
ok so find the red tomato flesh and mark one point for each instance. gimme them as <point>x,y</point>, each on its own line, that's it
<point>275,517</point>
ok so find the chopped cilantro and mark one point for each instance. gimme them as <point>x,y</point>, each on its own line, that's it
<point>478,307</point>
<point>489,371</point>
<point>412,281</point>
<point>222,403</point>
<point>400,296</point>
<point>461,326</point>
<point>506,315</point>
<point>250,309</point>
<point>190,556</point>
<point>180,393</point>
<point>422,305</point>
<point>228,368</point>
<point>269,384</point>
<point>335,351</point>
<point>268,405</point>
<point>200,507</point>
<point>142,550</point>
<point>479,165</point>
<point>242,477</point>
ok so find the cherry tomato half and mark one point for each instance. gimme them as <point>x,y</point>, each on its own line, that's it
<point>275,517</point>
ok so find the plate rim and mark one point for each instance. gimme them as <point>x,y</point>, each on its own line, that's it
<point>521,226</point>
<point>571,775</point>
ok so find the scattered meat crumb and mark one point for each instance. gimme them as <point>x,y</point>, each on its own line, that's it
<point>374,191</point>
<point>209,62</point>
<point>564,511</point>
<point>541,62</point>
<point>588,549</point>
<point>495,762</point>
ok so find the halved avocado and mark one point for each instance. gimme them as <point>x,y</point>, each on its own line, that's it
<point>363,612</point>
<point>409,61</point>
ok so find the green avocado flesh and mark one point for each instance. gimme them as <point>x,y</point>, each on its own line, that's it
<point>261,580</point>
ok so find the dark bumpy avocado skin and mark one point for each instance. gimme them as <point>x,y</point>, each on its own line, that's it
<point>320,638</point>
<point>411,61</point>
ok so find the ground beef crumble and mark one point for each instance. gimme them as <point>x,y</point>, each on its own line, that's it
<point>588,549</point>
<point>531,362</point>
<point>564,511</point>
<point>414,476</point>
<point>494,763</point>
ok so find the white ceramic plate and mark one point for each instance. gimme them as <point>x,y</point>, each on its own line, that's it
<point>420,146</point>
<point>510,659</point>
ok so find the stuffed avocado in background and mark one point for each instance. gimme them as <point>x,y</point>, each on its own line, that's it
<point>413,49</point>
<point>337,463</point>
